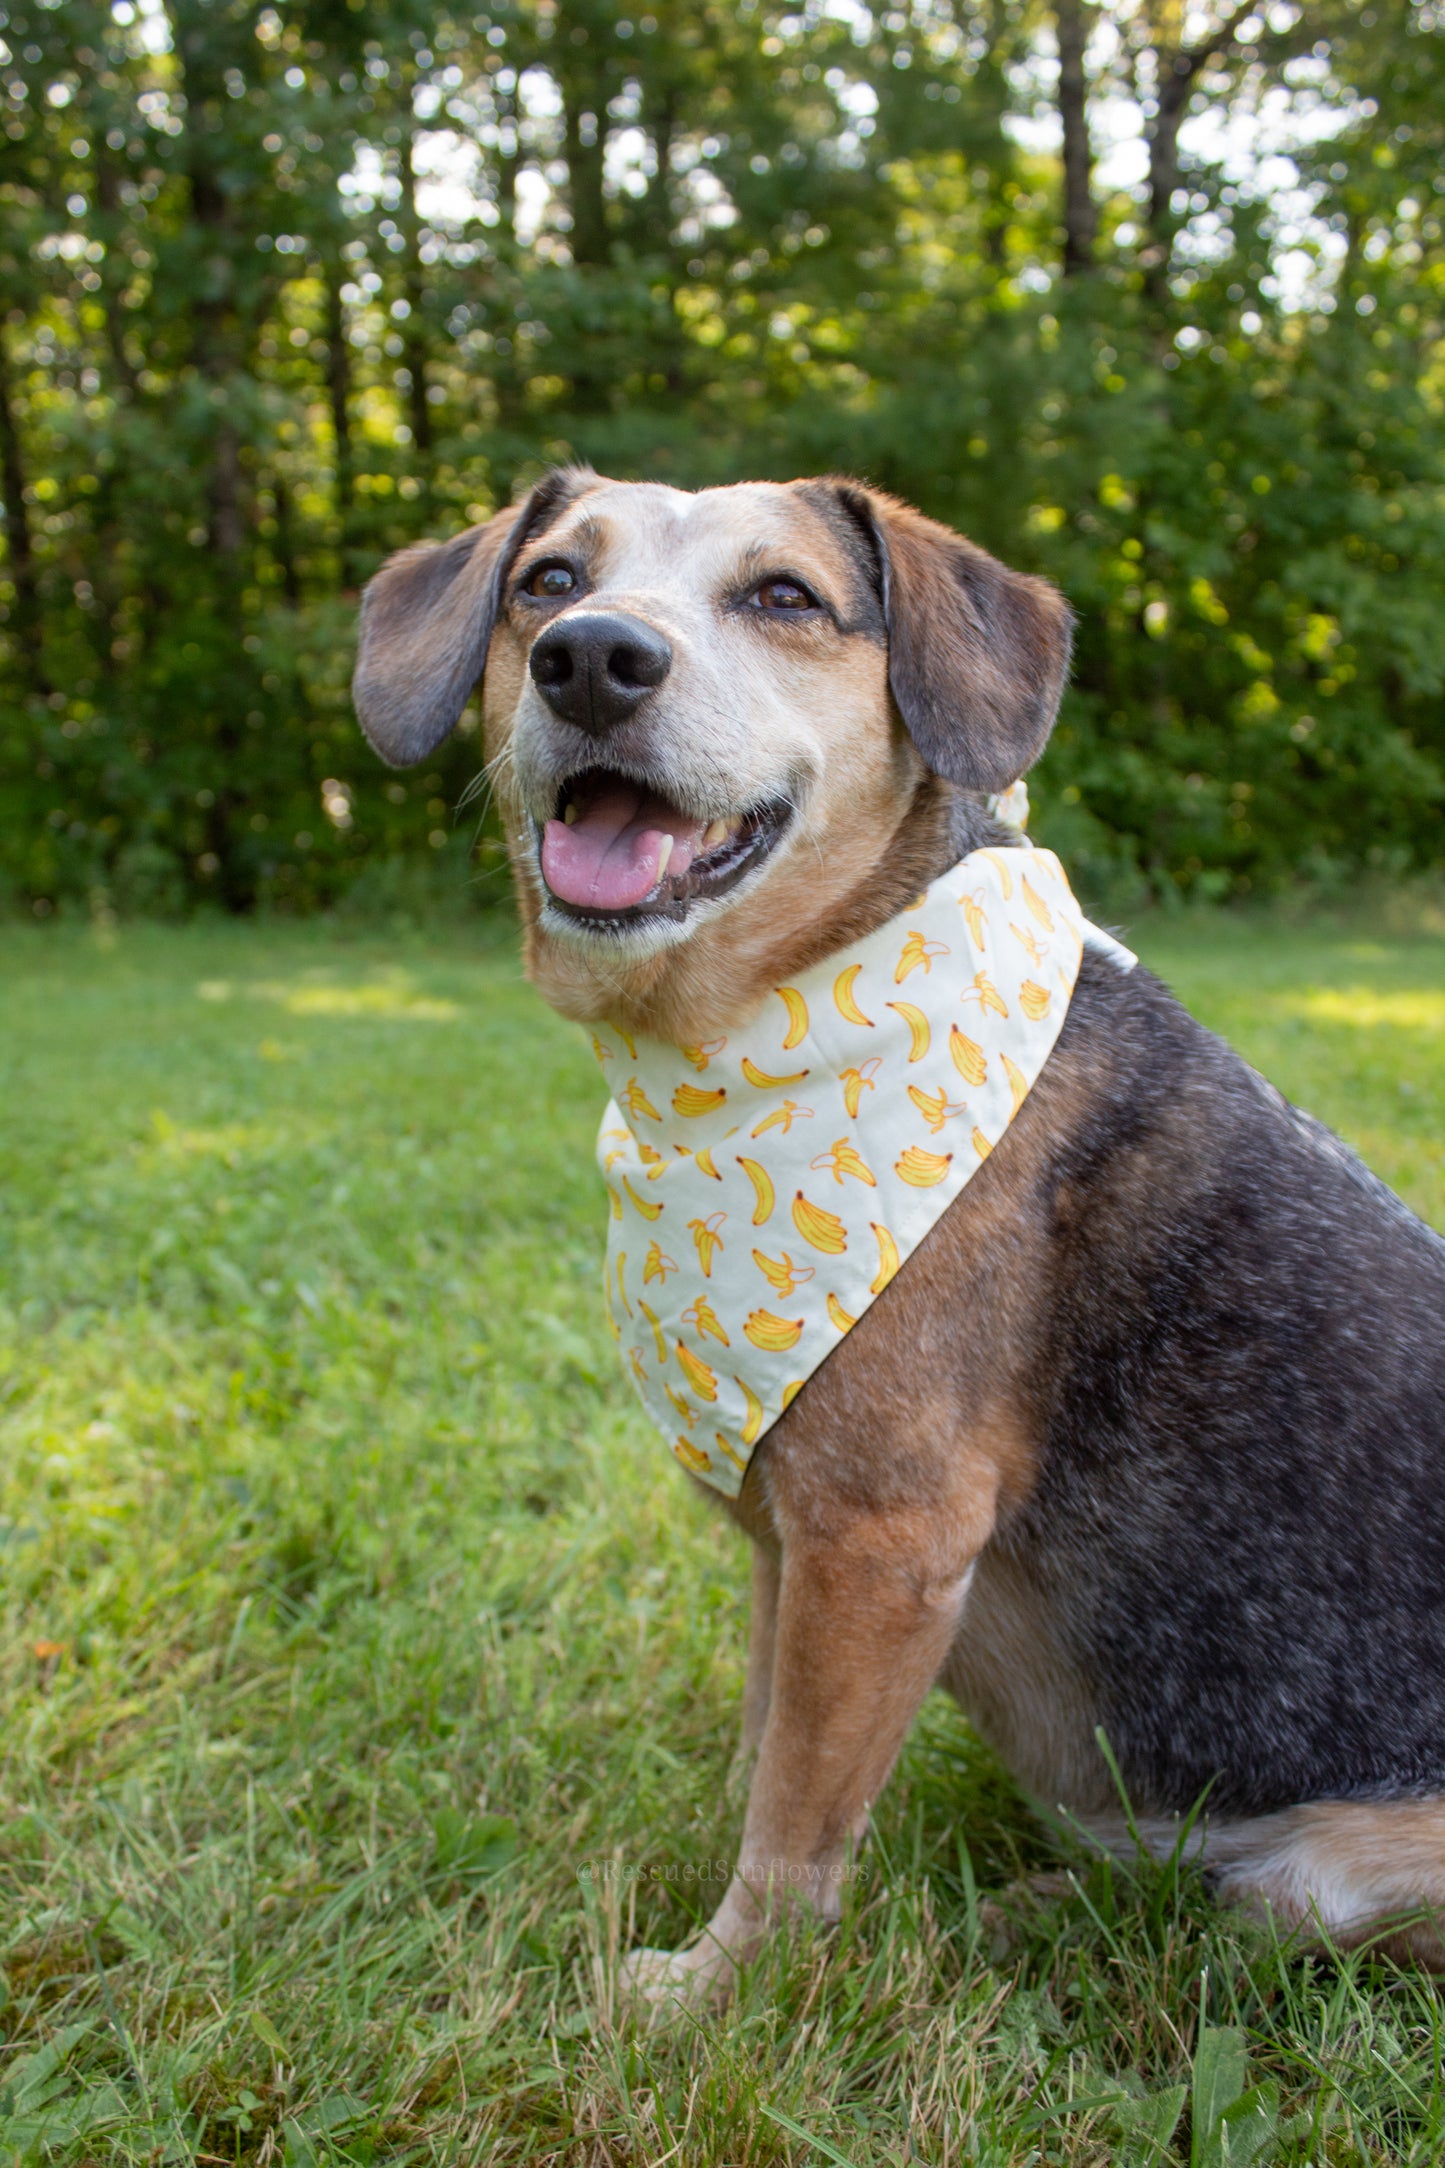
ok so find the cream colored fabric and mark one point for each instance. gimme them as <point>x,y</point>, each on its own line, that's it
<point>766,1186</point>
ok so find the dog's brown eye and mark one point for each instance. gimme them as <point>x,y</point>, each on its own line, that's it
<point>782,595</point>
<point>549,582</point>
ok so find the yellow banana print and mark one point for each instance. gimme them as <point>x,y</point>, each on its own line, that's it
<point>1037,909</point>
<point>918,1025</point>
<point>783,1118</point>
<point>726,1450</point>
<point>857,1081</point>
<point>975,918</point>
<point>1034,950</point>
<point>1033,1000</point>
<point>986,994</point>
<point>603,1053</point>
<point>781,1274</point>
<point>791,1392</point>
<point>888,1259</point>
<point>691,1100</point>
<point>824,1230</point>
<point>700,1056</point>
<point>840,1159</point>
<point>648,1211</point>
<point>968,1056</point>
<point>653,1321</point>
<point>637,1370</point>
<point>1018,1083</point>
<point>981,1144</point>
<point>689,1415</point>
<point>703,1319</point>
<point>753,1420</point>
<point>920,1169</point>
<point>797,1009</point>
<point>762,1183</point>
<point>627,1040</point>
<point>705,1235</point>
<point>651,1159</point>
<point>614,1202</point>
<point>656,1266</point>
<point>838,1317</point>
<point>622,1281</point>
<point>636,1101</point>
<point>688,1453</point>
<point>702,1380</point>
<point>999,861</point>
<point>775,1335</point>
<point>918,951</point>
<point>843,1000</point>
<point>703,1162</point>
<point>766,1083</point>
<point>935,1107</point>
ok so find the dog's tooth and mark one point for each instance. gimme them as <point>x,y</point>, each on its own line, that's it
<point>717,832</point>
<point>664,855</point>
<point>569,813</point>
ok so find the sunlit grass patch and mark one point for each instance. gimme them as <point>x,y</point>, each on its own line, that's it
<point>352,1619</point>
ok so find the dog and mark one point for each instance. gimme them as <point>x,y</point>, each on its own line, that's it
<point>1146,1439</point>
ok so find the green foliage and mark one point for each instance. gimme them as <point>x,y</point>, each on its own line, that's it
<point>283,287</point>
<point>369,1675</point>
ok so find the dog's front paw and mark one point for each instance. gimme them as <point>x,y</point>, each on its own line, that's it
<point>660,1980</point>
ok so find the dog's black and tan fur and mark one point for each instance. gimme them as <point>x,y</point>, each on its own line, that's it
<point>1149,1433</point>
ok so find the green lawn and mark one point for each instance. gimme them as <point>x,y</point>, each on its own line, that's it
<point>370,1675</point>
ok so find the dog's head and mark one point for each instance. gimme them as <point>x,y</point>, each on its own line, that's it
<point>710,715</point>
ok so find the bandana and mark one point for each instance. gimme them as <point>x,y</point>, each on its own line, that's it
<point>765,1187</point>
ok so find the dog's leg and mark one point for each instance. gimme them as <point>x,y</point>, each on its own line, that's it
<point>762,1639</point>
<point>866,1613</point>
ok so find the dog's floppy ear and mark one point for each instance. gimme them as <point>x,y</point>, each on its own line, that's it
<point>977,654</point>
<point>427,619</point>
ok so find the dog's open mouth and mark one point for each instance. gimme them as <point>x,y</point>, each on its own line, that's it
<point>618,850</point>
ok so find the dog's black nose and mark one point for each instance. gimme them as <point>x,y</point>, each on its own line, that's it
<point>593,668</point>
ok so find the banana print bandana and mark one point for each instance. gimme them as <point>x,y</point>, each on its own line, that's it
<point>765,1187</point>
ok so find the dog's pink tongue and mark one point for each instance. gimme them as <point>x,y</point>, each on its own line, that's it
<point>615,852</point>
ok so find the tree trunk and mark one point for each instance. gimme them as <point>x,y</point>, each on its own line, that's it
<point>1175,74</point>
<point>657,205</point>
<point>414,340</point>
<point>338,392</point>
<point>25,623</point>
<point>584,148</point>
<point>1080,216</point>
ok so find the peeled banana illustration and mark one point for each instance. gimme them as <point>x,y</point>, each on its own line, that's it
<point>728,1454</point>
<point>841,1159</point>
<point>888,1259</point>
<point>689,1415</point>
<point>766,1083</point>
<point>1033,1000</point>
<point>690,1456</point>
<point>797,1009</point>
<point>857,1081</point>
<point>705,1235</point>
<point>920,1169</point>
<point>975,918</point>
<point>703,1319</point>
<point>636,1101</point>
<point>968,1056</point>
<point>648,1210</point>
<point>981,1144</point>
<point>917,1023</point>
<point>775,1335</point>
<point>918,952</point>
<point>838,1317</point>
<point>753,1420</point>
<point>637,1370</point>
<point>700,1056</point>
<point>603,1053</point>
<point>1037,909</point>
<point>1034,948</point>
<point>781,1274</point>
<point>843,1000</point>
<point>652,1319</point>
<point>763,1190</point>
<point>935,1107</point>
<point>691,1100</point>
<point>824,1230</point>
<point>702,1380</point>
<point>656,1265</point>
<point>783,1118</point>
<point>1018,1083</point>
<point>986,994</point>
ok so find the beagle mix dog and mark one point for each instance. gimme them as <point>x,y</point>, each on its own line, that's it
<point>1172,1465</point>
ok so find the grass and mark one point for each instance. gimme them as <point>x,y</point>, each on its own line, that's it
<point>369,1675</point>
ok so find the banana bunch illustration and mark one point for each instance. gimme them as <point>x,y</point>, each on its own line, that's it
<point>797,1009</point>
<point>857,1081</point>
<point>692,1100</point>
<point>708,1241</point>
<point>968,1056</point>
<point>918,1025</point>
<point>656,1265</point>
<point>781,1274</point>
<point>888,1259</point>
<point>920,1169</point>
<point>824,1230</point>
<point>764,1082</point>
<point>843,1000</point>
<point>763,1189</point>
<point>775,1335</point>
<point>688,1453</point>
<point>702,1380</point>
<point>841,1159</point>
<point>918,953</point>
<point>935,1107</point>
<point>1033,1000</point>
<point>703,1319</point>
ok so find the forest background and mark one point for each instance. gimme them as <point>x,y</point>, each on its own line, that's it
<point>1147,297</point>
